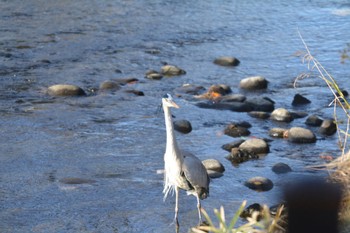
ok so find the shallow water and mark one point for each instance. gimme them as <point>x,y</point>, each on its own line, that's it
<point>115,141</point>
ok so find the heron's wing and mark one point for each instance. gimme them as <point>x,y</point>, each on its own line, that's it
<point>194,171</point>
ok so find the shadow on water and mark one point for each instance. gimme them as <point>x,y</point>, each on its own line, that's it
<point>89,164</point>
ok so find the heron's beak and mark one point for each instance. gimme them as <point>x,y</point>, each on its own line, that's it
<point>173,104</point>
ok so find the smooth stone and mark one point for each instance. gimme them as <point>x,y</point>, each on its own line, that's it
<point>296,115</point>
<point>214,174</point>
<point>261,104</point>
<point>300,100</point>
<point>235,144</point>
<point>171,70</point>
<point>313,120</point>
<point>259,183</point>
<point>280,168</point>
<point>214,165</point>
<point>238,156</point>
<point>220,88</point>
<point>255,146</point>
<point>259,114</point>
<point>328,127</point>
<point>65,90</point>
<point>300,135</point>
<point>124,81</point>
<point>277,132</point>
<point>109,85</point>
<point>75,180</point>
<point>253,83</point>
<point>281,114</point>
<point>154,75</point>
<point>234,98</point>
<point>183,126</point>
<point>227,61</point>
<point>190,89</point>
<point>232,106</point>
<point>236,131</point>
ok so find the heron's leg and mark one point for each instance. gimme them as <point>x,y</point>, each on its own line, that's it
<point>199,209</point>
<point>176,208</point>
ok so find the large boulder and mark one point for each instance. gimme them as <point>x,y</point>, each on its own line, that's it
<point>300,135</point>
<point>253,83</point>
<point>65,90</point>
<point>255,146</point>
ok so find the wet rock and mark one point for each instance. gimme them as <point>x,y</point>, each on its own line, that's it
<point>154,75</point>
<point>170,70</point>
<point>190,89</point>
<point>214,165</point>
<point>313,120</point>
<point>247,212</point>
<point>296,115</point>
<point>281,114</point>
<point>227,61</point>
<point>135,92</point>
<point>183,126</point>
<point>300,135</point>
<point>328,127</point>
<point>260,104</point>
<point>259,183</point>
<point>214,174</point>
<point>232,106</point>
<point>75,180</point>
<point>234,130</point>
<point>65,90</point>
<point>124,81</point>
<point>280,168</point>
<point>216,92</point>
<point>300,100</point>
<point>277,132</point>
<point>253,83</point>
<point>109,85</point>
<point>255,146</point>
<point>234,98</point>
<point>259,114</point>
<point>238,156</point>
<point>228,146</point>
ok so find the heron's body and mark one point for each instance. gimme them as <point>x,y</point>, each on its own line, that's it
<point>183,170</point>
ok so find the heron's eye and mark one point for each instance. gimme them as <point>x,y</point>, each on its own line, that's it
<point>167,96</point>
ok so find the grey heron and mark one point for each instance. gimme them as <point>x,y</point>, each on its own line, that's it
<point>182,170</point>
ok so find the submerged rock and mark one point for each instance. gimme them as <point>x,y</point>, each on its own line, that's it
<point>190,89</point>
<point>227,61</point>
<point>328,127</point>
<point>259,183</point>
<point>234,130</point>
<point>280,168</point>
<point>314,120</point>
<point>171,70</point>
<point>260,104</point>
<point>109,85</point>
<point>259,114</point>
<point>65,90</point>
<point>228,146</point>
<point>183,126</point>
<point>300,135</point>
<point>281,114</point>
<point>300,100</point>
<point>75,180</point>
<point>154,75</point>
<point>253,83</point>
<point>214,165</point>
<point>255,146</point>
<point>238,156</point>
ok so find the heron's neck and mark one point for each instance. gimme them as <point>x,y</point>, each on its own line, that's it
<point>171,144</point>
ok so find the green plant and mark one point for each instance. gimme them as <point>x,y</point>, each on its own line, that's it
<point>267,223</point>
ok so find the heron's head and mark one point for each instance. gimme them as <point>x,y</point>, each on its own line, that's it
<point>168,101</point>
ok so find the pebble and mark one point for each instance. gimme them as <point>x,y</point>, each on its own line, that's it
<point>300,135</point>
<point>277,132</point>
<point>234,130</point>
<point>313,120</point>
<point>109,85</point>
<point>227,61</point>
<point>259,183</point>
<point>259,114</point>
<point>235,144</point>
<point>281,114</point>
<point>65,90</point>
<point>170,70</point>
<point>300,100</point>
<point>253,83</point>
<point>183,126</point>
<point>255,146</point>
<point>280,168</point>
<point>328,127</point>
<point>214,165</point>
